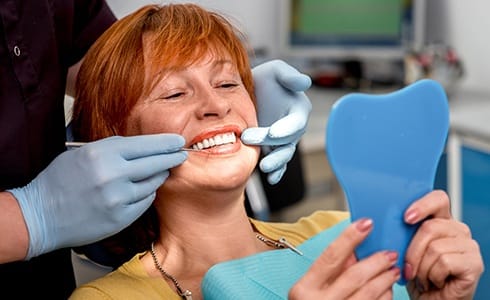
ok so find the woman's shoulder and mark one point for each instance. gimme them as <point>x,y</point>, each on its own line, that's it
<point>129,281</point>
<point>303,228</point>
<point>323,218</point>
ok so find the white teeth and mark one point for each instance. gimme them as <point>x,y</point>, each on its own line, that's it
<point>220,139</point>
<point>205,143</point>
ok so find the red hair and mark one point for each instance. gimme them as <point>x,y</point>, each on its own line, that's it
<point>112,76</point>
<point>112,79</point>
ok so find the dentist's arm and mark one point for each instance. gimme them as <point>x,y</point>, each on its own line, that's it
<point>91,192</point>
<point>14,238</point>
<point>283,111</point>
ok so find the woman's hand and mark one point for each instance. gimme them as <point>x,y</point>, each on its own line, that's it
<point>442,261</point>
<point>336,274</point>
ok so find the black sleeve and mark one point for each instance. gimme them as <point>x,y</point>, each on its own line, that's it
<point>91,19</point>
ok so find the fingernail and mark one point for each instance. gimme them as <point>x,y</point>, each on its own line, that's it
<point>408,271</point>
<point>411,216</point>
<point>420,287</point>
<point>364,225</point>
<point>392,255</point>
<point>396,272</point>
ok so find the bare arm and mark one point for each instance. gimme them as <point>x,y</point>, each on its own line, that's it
<point>14,237</point>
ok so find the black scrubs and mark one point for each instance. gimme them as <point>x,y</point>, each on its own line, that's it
<point>40,40</point>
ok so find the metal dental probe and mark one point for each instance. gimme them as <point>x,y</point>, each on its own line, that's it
<point>79,144</point>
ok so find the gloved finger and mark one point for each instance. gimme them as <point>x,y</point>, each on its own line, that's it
<point>145,188</point>
<point>275,176</point>
<point>291,124</point>
<point>291,78</point>
<point>261,136</point>
<point>137,196</point>
<point>123,218</point>
<point>144,145</point>
<point>277,158</point>
<point>254,135</point>
<point>136,209</point>
<point>144,167</point>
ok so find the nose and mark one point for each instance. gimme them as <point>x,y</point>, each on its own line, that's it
<point>212,105</point>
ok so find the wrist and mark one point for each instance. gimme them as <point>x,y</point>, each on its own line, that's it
<point>33,219</point>
<point>13,229</point>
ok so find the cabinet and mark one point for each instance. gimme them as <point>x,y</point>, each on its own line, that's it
<point>468,172</point>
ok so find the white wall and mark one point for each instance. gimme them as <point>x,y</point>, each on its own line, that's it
<point>462,24</point>
<point>467,31</point>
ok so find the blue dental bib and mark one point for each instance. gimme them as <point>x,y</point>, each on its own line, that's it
<point>269,275</point>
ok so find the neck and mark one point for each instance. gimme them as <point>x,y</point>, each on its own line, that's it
<point>217,230</point>
<point>198,231</point>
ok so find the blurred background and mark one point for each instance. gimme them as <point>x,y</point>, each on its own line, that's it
<point>458,24</point>
<point>376,46</point>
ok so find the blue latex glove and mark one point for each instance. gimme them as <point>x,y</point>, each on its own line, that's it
<point>96,190</point>
<point>283,111</point>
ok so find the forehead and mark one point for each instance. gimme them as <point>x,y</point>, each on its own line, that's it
<point>158,62</point>
<point>159,54</point>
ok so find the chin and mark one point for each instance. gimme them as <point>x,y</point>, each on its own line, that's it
<point>224,175</point>
<point>200,184</point>
<point>231,179</point>
<point>229,175</point>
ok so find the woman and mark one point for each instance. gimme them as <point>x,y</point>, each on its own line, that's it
<point>198,84</point>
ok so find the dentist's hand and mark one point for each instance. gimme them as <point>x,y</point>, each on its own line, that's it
<point>95,191</point>
<point>283,112</point>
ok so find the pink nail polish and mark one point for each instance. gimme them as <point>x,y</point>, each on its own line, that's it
<point>408,271</point>
<point>411,216</point>
<point>392,255</point>
<point>364,225</point>
<point>396,272</point>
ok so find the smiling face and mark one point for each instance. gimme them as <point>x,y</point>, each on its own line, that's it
<point>173,69</point>
<point>207,103</point>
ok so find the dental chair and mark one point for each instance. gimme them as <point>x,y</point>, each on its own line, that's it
<point>262,198</point>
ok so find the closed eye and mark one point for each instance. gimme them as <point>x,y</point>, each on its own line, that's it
<point>228,85</point>
<point>173,96</point>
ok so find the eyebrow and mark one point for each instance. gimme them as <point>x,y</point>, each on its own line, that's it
<point>216,63</point>
<point>222,62</point>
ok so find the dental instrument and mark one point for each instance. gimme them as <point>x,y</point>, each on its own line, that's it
<point>80,144</point>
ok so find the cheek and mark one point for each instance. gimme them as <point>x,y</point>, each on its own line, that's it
<point>252,120</point>
<point>133,126</point>
<point>153,120</point>
<point>159,125</point>
<point>248,112</point>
